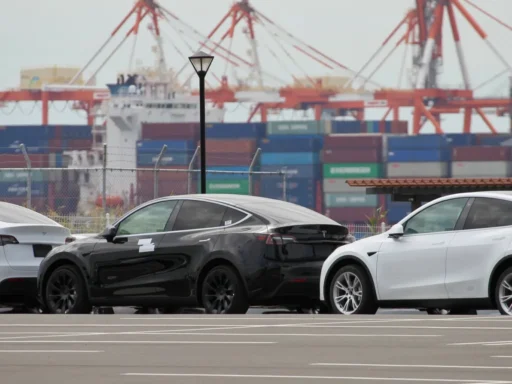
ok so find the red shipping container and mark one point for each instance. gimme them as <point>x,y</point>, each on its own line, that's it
<point>344,215</point>
<point>231,146</point>
<point>400,127</point>
<point>18,161</point>
<point>55,145</point>
<point>78,144</point>
<point>228,159</point>
<point>362,155</point>
<point>148,176</point>
<point>481,153</point>
<point>162,131</point>
<point>364,140</point>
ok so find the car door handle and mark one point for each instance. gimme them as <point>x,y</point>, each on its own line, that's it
<point>440,243</point>
<point>498,238</point>
<point>204,240</point>
<point>120,240</point>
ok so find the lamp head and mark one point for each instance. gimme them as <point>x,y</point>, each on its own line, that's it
<point>201,62</point>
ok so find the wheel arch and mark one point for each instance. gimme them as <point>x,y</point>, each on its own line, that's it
<point>340,263</point>
<point>215,261</point>
<point>498,269</point>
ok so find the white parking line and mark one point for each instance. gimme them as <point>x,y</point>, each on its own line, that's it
<point>503,357</point>
<point>412,366</point>
<point>377,326</point>
<point>295,334</point>
<point>134,342</point>
<point>489,343</point>
<point>393,379</point>
<point>47,351</point>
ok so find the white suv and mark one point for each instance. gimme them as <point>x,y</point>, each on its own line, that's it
<point>454,253</point>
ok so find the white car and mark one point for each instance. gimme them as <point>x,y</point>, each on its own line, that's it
<point>453,253</point>
<point>25,238</point>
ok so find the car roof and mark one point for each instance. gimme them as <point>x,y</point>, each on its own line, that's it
<point>504,195</point>
<point>276,211</point>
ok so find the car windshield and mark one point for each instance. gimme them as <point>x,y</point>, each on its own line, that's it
<point>16,214</point>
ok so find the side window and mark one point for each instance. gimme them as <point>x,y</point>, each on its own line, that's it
<point>440,217</point>
<point>198,214</point>
<point>150,219</point>
<point>232,216</point>
<point>489,213</point>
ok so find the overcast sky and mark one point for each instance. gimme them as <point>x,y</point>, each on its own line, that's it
<point>68,32</point>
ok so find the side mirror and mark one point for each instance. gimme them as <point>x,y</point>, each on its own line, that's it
<point>109,233</point>
<point>396,231</point>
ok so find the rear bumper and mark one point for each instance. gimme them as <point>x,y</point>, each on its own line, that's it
<point>18,290</point>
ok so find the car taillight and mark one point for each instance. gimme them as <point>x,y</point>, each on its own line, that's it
<point>276,239</point>
<point>8,240</point>
<point>69,239</point>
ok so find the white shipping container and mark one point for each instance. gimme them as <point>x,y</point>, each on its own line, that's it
<point>481,169</point>
<point>418,169</point>
<point>341,186</point>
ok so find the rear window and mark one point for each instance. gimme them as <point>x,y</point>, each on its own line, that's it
<point>16,214</point>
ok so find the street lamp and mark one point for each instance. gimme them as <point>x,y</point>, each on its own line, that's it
<point>201,63</point>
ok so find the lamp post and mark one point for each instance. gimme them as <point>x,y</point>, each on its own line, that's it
<point>201,63</point>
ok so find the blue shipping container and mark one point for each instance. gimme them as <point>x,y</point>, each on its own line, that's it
<point>39,147</point>
<point>149,160</point>
<point>347,126</point>
<point>228,176</point>
<point>76,131</point>
<point>493,139</point>
<point>155,146</point>
<point>419,155</point>
<point>14,132</point>
<point>290,158</point>
<point>273,185</point>
<point>461,139</point>
<point>235,130</point>
<point>296,171</point>
<point>20,189</point>
<point>292,143</point>
<point>417,142</point>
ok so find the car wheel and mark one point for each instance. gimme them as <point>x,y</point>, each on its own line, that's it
<point>351,292</point>
<point>223,292</point>
<point>503,292</point>
<point>438,311</point>
<point>65,291</point>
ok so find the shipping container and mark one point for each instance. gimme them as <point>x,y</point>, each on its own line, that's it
<point>491,139</point>
<point>296,143</point>
<point>36,148</point>
<point>76,132</point>
<point>155,146</point>
<point>145,190</point>
<point>246,146</point>
<point>239,187</point>
<point>399,127</point>
<point>76,144</point>
<point>228,159</point>
<point>216,175</point>
<point>333,200</point>
<point>17,132</point>
<point>21,176</point>
<point>273,185</point>
<point>235,130</point>
<point>38,189</point>
<point>167,131</point>
<point>352,170</point>
<point>461,139</point>
<point>396,210</point>
<point>427,141</point>
<point>481,153</point>
<point>295,171</point>
<point>469,169</point>
<point>290,158</point>
<point>418,155</point>
<point>350,215</point>
<point>348,126</point>
<point>353,141</point>
<point>149,160</point>
<point>418,169</point>
<point>18,161</point>
<point>340,186</point>
<point>347,155</point>
<point>295,128</point>
<point>166,174</point>
<point>56,160</point>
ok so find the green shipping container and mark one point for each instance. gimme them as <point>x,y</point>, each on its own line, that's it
<point>296,128</point>
<point>237,187</point>
<point>352,170</point>
<point>21,176</point>
<point>333,200</point>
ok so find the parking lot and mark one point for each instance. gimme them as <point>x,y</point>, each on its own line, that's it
<point>271,348</point>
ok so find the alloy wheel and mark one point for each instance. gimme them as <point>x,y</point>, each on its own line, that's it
<point>505,294</point>
<point>348,293</point>
<point>62,293</point>
<point>220,291</point>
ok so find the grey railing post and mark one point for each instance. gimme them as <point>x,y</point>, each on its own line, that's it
<point>104,182</point>
<point>284,182</point>
<point>155,171</point>
<point>190,168</point>
<point>29,175</point>
<point>253,162</point>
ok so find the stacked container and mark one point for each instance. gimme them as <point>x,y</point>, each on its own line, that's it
<point>481,161</point>
<point>356,156</point>
<point>369,126</point>
<point>418,156</point>
<point>300,128</point>
<point>299,156</point>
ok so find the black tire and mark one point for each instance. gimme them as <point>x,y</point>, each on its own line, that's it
<point>367,304</point>
<point>223,292</point>
<point>66,281</point>
<point>505,275</point>
<point>438,311</point>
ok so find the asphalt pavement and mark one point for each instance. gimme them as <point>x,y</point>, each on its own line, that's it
<point>255,348</point>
